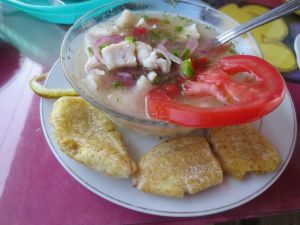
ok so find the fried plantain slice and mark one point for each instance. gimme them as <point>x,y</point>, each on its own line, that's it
<point>40,90</point>
<point>242,150</point>
<point>178,166</point>
<point>87,135</point>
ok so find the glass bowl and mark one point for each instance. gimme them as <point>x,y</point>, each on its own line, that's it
<point>195,10</point>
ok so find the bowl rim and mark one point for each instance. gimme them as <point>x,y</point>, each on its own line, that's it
<point>115,113</point>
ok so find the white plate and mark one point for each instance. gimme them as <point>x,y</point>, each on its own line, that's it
<point>279,127</point>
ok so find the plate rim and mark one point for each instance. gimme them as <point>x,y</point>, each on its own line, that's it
<point>162,212</point>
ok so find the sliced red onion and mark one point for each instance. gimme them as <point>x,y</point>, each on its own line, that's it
<point>201,52</point>
<point>169,55</point>
<point>125,81</point>
<point>127,78</point>
<point>192,43</point>
<point>129,82</point>
<point>111,39</point>
<point>98,55</point>
<point>125,75</point>
<point>135,71</point>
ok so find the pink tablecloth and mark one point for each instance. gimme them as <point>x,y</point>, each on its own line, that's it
<point>35,189</point>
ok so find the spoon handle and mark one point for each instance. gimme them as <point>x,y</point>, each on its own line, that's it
<point>273,14</point>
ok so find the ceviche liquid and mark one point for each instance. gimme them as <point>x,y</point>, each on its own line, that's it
<point>130,55</point>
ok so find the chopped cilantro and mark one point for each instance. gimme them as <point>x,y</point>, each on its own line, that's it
<point>176,53</point>
<point>186,53</point>
<point>157,80</point>
<point>155,34</point>
<point>103,46</point>
<point>90,51</point>
<point>166,35</point>
<point>117,84</point>
<point>178,28</point>
<point>232,50</point>
<point>172,80</point>
<point>146,17</point>
<point>165,20</point>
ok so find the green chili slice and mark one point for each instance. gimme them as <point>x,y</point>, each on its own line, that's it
<point>187,68</point>
<point>130,39</point>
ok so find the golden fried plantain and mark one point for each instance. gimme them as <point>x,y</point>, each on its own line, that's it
<point>86,134</point>
<point>242,150</point>
<point>177,166</point>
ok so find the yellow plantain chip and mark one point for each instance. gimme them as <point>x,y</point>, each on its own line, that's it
<point>88,136</point>
<point>40,90</point>
<point>242,150</point>
<point>178,166</point>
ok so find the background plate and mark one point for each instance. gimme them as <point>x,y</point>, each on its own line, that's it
<point>279,127</point>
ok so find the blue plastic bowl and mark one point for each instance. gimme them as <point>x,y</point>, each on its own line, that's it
<point>56,13</point>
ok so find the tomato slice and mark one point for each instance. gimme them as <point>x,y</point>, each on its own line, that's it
<point>138,31</point>
<point>251,101</point>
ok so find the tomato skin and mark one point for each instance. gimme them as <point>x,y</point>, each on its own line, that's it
<point>257,100</point>
<point>171,89</point>
<point>138,31</point>
<point>161,106</point>
<point>200,63</point>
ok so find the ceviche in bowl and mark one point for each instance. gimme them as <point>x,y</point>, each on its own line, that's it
<point>151,66</point>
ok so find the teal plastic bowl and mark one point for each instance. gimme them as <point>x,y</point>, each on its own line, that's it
<point>55,12</point>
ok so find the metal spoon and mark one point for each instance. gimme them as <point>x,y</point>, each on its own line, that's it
<point>284,9</point>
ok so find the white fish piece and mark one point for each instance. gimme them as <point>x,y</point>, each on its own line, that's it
<point>92,82</point>
<point>136,97</point>
<point>188,31</point>
<point>97,72</point>
<point>142,23</point>
<point>127,19</point>
<point>151,76</point>
<point>98,31</point>
<point>164,65</point>
<point>142,82</point>
<point>151,61</point>
<point>119,55</point>
<point>143,51</point>
<point>148,58</point>
<point>91,63</point>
